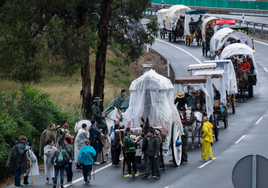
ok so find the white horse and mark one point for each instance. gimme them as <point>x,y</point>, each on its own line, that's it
<point>113,115</point>
<point>194,122</point>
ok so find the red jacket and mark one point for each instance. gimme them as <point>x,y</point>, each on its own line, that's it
<point>245,66</point>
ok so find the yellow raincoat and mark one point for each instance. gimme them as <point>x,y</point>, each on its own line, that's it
<point>207,140</point>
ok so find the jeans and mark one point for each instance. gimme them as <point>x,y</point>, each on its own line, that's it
<point>61,175</point>
<point>17,177</point>
<point>96,146</point>
<point>87,171</point>
<point>69,172</point>
<point>130,158</point>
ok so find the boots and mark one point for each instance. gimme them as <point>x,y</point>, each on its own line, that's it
<point>25,181</point>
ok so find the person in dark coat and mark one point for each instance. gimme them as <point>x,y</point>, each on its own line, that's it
<point>98,115</point>
<point>17,159</point>
<point>61,131</point>
<point>153,148</point>
<point>48,134</point>
<point>69,149</point>
<point>192,26</point>
<point>95,138</point>
<point>181,100</point>
<point>116,144</point>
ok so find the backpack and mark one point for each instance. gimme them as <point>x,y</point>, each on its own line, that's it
<point>60,158</point>
<point>131,144</point>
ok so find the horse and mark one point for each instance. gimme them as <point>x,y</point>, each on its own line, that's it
<point>198,35</point>
<point>242,80</point>
<point>193,120</point>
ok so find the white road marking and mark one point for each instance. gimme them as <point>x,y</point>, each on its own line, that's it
<point>96,171</point>
<point>240,139</point>
<point>181,50</point>
<point>265,69</point>
<point>258,121</point>
<point>261,42</point>
<point>207,163</point>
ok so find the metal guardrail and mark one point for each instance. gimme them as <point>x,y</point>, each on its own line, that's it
<point>248,23</point>
<point>157,6</point>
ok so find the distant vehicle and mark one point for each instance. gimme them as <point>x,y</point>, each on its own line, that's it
<point>192,26</point>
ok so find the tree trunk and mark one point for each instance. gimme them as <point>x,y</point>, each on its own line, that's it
<point>85,73</point>
<point>86,89</point>
<point>101,50</point>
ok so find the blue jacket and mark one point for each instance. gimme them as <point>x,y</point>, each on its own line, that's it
<point>86,155</point>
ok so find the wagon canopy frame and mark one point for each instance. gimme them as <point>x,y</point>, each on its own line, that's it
<point>197,82</point>
<point>205,23</point>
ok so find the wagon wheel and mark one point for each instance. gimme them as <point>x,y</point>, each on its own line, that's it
<point>233,106</point>
<point>161,34</point>
<point>216,123</point>
<point>169,36</point>
<point>176,151</point>
<point>203,48</point>
<point>225,117</point>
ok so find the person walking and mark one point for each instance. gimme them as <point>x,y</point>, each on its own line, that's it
<point>184,139</point>
<point>61,131</point>
<point>48,152</point>
<point>82,135</point>
<point>206,140</point>
<point>98,115</point>
<point>116,144</point>
<point>85,158</point>
<point>69,149</point>
<point>60,160</point>
<point>17,159</point>
<point>130,151</point>
<point>153,148</point>
<point>48,134</point>
<point>95,139</point>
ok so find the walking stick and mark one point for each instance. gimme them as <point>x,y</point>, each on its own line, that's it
<point>31,171</point>
<point>93,172</point>
<point>122,171</point>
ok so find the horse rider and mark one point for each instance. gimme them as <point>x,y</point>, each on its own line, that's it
<point>244,65</point>
<point>117,102</point>
<point>199,22</point>
<point>181,100</point>
<point>193,100</point>
<point>192,26</point>
<point>216,56</point>
<point>209,33</point>
<point>98,115</point>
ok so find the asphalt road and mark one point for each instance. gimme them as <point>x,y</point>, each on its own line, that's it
<point>226,151</point>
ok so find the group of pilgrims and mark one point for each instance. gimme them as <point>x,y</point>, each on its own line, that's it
<point>60,149</point>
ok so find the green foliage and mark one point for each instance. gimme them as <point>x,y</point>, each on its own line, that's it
<point>28,112</point>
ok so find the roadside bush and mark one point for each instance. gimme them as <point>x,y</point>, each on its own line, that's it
<point>28,112</point>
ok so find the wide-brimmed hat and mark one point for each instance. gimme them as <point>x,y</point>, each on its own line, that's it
<point>193,91</point>
<point>97,99</point>
<point>22,137</point>
<point>180,95</point>
<point>133,138</point>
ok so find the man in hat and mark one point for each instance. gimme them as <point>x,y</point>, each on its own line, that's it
<point>244,65</point>
<point>193,100</point>
<point>153,148</point>
<point>180,101</point>
<point>46,135</point>
<point>98,115</point>
<point>216,56</point>
<point>17,159</point>
<point>192,26</point>
<point>209,33</point>
<point>130,150</point>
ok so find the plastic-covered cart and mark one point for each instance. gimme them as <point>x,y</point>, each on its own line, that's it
<point>151,96</point>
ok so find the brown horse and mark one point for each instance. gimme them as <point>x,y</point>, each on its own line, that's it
<point>198,35</point>
<point>242,80</point>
